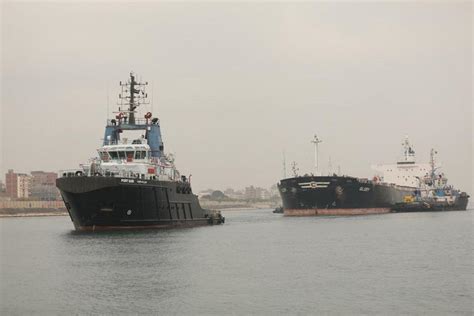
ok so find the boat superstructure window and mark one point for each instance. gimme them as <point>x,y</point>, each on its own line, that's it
<point>128,155</point>
<point>104,155</point>
<point>141,154</point>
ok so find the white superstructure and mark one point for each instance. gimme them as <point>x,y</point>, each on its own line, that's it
<point>131,160</point>
<point>135,160</point>
<point>406,172</point>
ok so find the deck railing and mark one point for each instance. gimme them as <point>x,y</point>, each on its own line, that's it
<point>138,121</point>
<point>164,172</point>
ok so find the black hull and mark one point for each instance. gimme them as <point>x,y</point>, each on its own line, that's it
<point>334,195</point>
<point>432,206</point>
<point>98,203</point>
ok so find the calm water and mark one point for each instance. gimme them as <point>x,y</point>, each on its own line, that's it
<point>257,263</point>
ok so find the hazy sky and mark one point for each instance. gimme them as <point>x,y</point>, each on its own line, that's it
<point>235,84</point>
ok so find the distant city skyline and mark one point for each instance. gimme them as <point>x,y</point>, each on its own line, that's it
<point>223,189</point>
<point>236,84</point>
<point>35,185</point>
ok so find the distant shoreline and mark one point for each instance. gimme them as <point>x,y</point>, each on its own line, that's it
<point>32,215</point>
<point>31,212</point>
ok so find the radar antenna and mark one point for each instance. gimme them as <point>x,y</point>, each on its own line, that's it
<point>134,95</point>
<point>408,152</point>
<point>432,163</point>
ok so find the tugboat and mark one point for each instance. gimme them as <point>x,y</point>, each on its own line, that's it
<point>433,195</point>
<point>311,195</point>
<point>132,183</point>
<point>278,210</point>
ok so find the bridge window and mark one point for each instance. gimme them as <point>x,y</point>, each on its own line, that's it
<point>123,155</point>
<point>104,155</point>
<point>140,154</point>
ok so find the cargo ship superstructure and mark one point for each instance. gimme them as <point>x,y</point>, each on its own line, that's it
<point>132,183</point>
<point>311,195</point>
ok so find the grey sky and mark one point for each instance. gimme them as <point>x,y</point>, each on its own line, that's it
<point>236,84</point>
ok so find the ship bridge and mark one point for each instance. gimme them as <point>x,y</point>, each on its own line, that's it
<point>128,152</point>
<point>132,96</point>
<point>406,172</point>
<point>152,135</point>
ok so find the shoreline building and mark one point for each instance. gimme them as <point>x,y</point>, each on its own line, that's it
<point>43,186</point>
<point>17,185</point>
<point>39,185</point>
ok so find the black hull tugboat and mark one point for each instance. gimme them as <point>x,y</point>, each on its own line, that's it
<point>133,183</point>
<point>402,187</point>
<point>438,204</point>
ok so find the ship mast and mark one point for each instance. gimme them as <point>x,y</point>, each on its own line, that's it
<point>316,141</point>
<point>408,152</point>
<point>432,163</point>
<point>135,97</point>
<point>295,169</point>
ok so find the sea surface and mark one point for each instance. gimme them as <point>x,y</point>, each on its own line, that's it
<point>256,263</point>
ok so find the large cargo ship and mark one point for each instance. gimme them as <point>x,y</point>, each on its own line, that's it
<point>133,183</point>
<point>311,195</point>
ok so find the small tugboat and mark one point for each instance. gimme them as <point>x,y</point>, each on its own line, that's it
<point>433,195</point>
<point>133,183</point>
<point>278,210</point>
